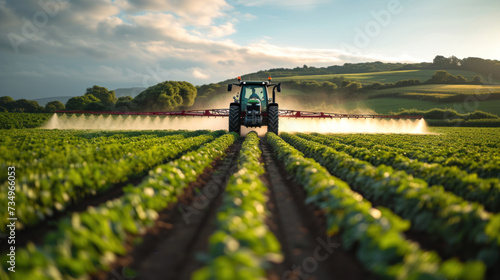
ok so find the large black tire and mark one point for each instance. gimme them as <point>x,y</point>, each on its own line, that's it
<point>273,118</point>
<point>234,118</point>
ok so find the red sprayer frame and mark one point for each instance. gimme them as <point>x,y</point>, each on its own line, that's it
<point>283,113</point>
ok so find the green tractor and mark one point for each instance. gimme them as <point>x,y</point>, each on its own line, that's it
<point>252,106</point>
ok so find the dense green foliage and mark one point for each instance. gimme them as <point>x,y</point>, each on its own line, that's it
<point>379,194</point>
<point>106,97</point>
<point>443,114</point>
<point>79,103</point>
<point>73,167</point>
<point>22,120</point>
<point>375,233</point>
<point>8,104</point>
<point>54,106</point>
<point>431,209</point>
<point>166,96</point>
<point>468,186</point>
<point>95,98</point>
<point>475,150</point>
<point>89,241</point>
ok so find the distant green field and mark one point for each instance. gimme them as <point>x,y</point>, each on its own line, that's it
<point>387,105</point>
<point>381,77</point>
<point>446,89</point>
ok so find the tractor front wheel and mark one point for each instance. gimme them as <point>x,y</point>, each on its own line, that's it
<point>273,118</point>
<point>234,118</point>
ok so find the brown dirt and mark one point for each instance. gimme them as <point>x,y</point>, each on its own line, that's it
<point>301,230</point>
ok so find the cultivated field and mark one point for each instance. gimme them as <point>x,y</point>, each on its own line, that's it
<point>445,89</point>
<point>211,205</point>
<point>387,105</point>
<point>381,77</point>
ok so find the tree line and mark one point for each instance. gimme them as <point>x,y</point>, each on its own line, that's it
<point>8,104</point>
<point>166,96</point>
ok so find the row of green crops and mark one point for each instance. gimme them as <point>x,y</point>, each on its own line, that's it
<point>475,150</point>
<point>23,120</point>
<point>40,193</point>
<point>40,150</point>
<point>432,210</point>
<point>242,245</point>
<point>376,233</point>
<point>468,186</point>
<point>89,241</point>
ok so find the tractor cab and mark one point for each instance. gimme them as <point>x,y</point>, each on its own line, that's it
<point>253,94</point>
<point>252,106</point>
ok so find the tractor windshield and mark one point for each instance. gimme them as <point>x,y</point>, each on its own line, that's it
<point>253,92</point>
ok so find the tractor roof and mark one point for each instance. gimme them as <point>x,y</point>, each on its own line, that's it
<point>254,83</point>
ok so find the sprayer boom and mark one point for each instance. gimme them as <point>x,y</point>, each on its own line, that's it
<point>283,113</point>
<point>305,114</point>
<point>191,113</point>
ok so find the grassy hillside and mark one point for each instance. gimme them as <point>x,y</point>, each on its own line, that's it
<point>388,105</point>
<point>381,77</point>
<point>445,89</point>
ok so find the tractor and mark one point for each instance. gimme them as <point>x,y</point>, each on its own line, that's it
<point>252,106</point>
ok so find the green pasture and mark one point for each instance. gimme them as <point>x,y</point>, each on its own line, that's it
<point>388,105</point>
<point>381,77</point>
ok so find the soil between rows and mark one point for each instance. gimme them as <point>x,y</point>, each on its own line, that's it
<point>301,230</point>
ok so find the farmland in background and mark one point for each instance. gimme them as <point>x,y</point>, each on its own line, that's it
<point>381,77</point>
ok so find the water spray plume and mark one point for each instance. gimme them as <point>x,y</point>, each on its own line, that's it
<point>131,122</point>
<point>354,125</point>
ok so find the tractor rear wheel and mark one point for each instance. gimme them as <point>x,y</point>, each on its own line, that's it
<point>273,118</point>
<point>234,118</point>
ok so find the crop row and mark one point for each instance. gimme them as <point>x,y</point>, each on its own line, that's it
<point>43,151</point>
<point>468,186</point>
<point>242,246</point>
<point>475,150</point>
<point>89,241</point>
<point>432,210</point>
<point>375,233</point>
<point>39,195</point>
<point>22,120</point>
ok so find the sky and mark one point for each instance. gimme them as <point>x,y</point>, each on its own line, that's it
<point>61,47</point>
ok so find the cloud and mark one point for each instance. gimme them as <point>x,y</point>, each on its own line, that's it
<point>137,43</point>
<point>289,4</point>
<point>193,12</point>
<point>198,74</point>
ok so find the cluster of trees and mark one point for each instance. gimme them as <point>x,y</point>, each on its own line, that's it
<point>402,83</point>
<point>443,77</point>
<point>336,85</point>
<point>95,98</point>
<point>484,66</point>
<point>166,96</point>
<point>447,113</point>
<point>8,104</point>
<point>439,77</point>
